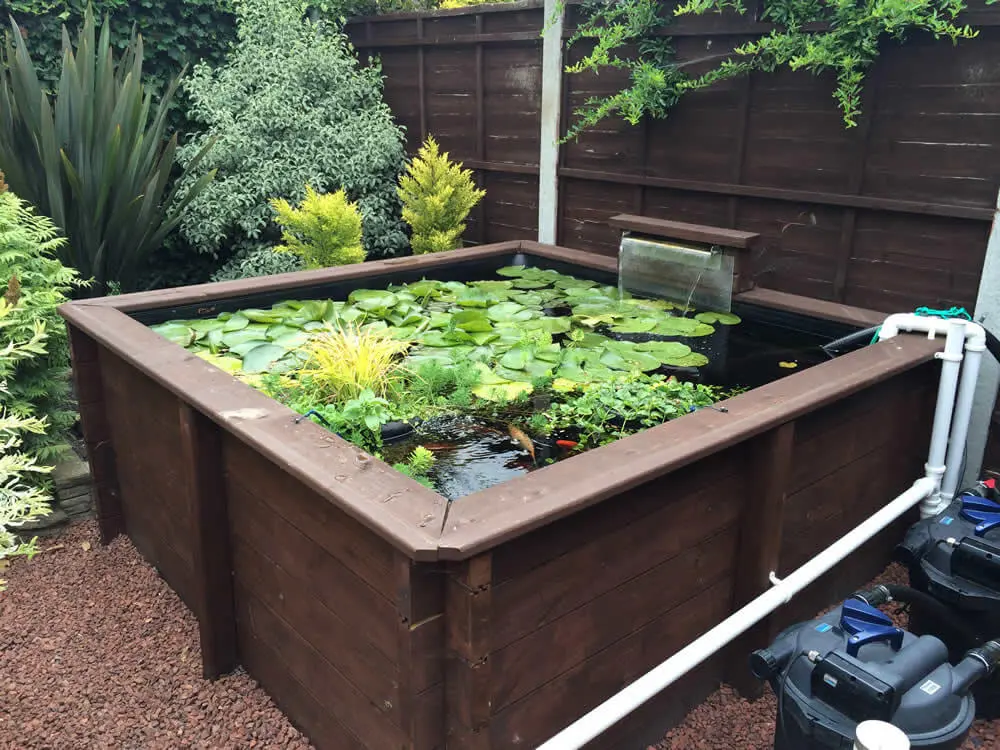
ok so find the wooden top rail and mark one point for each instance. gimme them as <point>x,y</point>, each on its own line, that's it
<point>679,230</point>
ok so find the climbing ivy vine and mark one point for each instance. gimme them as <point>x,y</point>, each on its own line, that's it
<point>839,36</point>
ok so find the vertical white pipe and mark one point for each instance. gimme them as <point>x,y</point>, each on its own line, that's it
<point>878,735</point>
<point>987,314</point>
<point>963,416</point>
<point>548,146</point>
<point>951,363</point>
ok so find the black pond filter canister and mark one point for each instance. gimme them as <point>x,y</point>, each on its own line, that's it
<point>955,557</point>
<point>852,665</point>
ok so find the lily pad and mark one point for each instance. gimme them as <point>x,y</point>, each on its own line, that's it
<point>236,322</point>
<point>292,340</point>
<point>694,359</point>
<point>531,283</point>
<point>228,364</point>
<point>245,347</point>
<point>511,271</point>
<point>262,357</point>
<point>723,318</point>
<point>506,312</point>
<point>372,299</point>
<point>635,325</point>
<point>502,391</point>
<point>673,326</point>
<point>515,359</point>
<point>176,332</point>
<point>472,321</point>
<point>472,297</point>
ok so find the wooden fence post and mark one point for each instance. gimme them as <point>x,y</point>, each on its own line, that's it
<point>761,533</point>
<point>206,488</point>
<point>548,144</point>
<point>987,314</point>
<point>84,352</point>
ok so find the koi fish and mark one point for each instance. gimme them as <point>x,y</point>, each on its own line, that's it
<point>438,446</point>
<point>523,439</point>
<point>566,443</point>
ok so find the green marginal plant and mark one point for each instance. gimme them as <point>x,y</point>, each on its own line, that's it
<point>437,196</point>
<point>94,157</point>
<point>34,350</point>
<point>325,230</point>
<point>344,362</point>
<point>839,36</point>
<point>418,465</point>
<point>22,497</point>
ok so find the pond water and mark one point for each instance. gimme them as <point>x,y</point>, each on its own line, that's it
<point>520,327</point>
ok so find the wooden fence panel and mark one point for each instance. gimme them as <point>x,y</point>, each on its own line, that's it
<point>890,214</point>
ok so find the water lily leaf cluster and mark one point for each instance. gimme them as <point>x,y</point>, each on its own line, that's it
<point>524,325</point>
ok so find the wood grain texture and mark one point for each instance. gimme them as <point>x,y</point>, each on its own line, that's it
<point>753,155</point>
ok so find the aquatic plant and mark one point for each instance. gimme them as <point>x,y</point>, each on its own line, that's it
<point>418,465</point>
<point>604,412</point>
<point>343,362</point>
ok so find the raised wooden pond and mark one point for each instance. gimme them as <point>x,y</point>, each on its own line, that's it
<point>328,575</point>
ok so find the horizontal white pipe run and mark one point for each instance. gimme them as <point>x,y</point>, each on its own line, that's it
<point>613,710</point>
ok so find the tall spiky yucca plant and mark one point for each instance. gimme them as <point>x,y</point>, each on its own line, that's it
<point>95,157</point>
<point>437,196</point>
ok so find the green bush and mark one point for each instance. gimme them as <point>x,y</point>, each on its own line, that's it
<point>176,33</point>
<point>324,231</point>
<point>93,159</point>
<point>256,259</point>
<point>22,497</point>
<point>437,196</point>
<point>34,353</point>
<point>291,106</point>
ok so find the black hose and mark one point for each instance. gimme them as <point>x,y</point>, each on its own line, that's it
<point>853,338</point>
<point>992,344</point>
<point>940,612</point>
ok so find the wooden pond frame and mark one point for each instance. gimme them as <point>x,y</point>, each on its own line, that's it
<point>327,575</point>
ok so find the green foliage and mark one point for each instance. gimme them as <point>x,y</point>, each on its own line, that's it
<point>358,420</point>
<point>34,353</point>
<point>324,231</point>
<point>418,465</point>
<point>22,497</point>
<point>433,387</point>
<point>92,159</point>
<point>256,259</point>
<point>176,32</point>
<point>838,36</point>
<point>290,107</point>
<point>606,411</point>
<point>437,196</point>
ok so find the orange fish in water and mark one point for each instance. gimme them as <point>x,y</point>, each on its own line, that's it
<point>438,446</point>
<point>566,443</point>
<point>523,439</point>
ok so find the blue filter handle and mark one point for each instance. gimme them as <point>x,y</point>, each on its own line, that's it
<point>866,624</point>
<point>981,511</point>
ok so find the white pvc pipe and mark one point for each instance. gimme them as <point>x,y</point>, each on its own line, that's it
<point>963,417</point>
<point>956,332</point>
<point>613,710</point>
<point>878,735</point>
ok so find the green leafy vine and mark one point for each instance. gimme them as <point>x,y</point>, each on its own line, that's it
<point>840,36</point>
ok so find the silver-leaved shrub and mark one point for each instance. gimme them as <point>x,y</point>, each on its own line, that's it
<point>291,106</point>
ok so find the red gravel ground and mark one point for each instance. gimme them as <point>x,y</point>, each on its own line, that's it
<point>726,720</point>
<point>97,652</point>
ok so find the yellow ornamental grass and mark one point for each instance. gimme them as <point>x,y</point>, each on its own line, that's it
<point>344,361</point>
<point>437,196</point>
<point>325,230</point>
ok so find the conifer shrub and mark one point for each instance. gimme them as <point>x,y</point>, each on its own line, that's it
<point>437,196</point>
<point>325,230</point>
<point>34,351</point>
